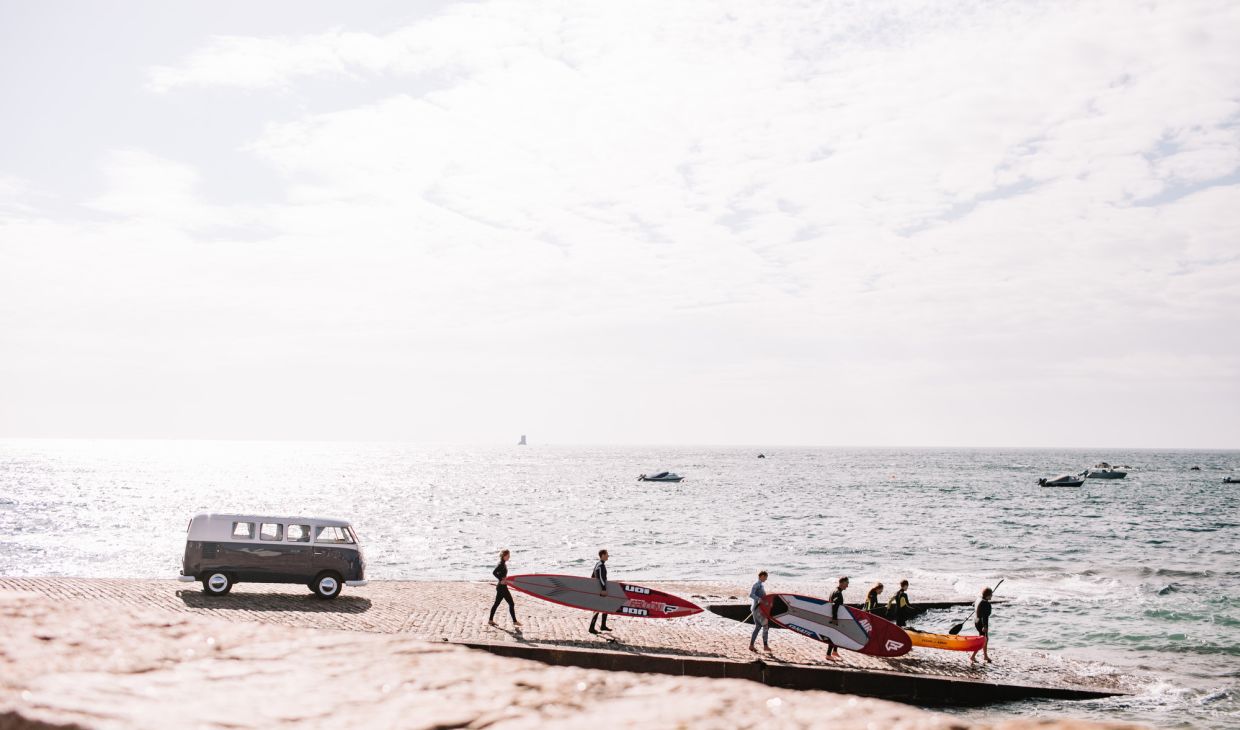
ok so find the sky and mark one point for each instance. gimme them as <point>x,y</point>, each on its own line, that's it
<point>810,223</point>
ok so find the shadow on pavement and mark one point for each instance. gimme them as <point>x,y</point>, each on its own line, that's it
<point>302,603</point>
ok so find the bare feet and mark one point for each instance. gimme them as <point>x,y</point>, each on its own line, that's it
<point>751,648</point>
<point>516,623</point>
<point>492,623</point>
<point>973,658</point>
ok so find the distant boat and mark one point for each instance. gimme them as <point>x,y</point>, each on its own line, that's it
<point>1065,480</point>
<point>1103,470</point>
<point>761,456</point>
<point>522,441</point>
<point>663,476</point>
<point>1195,468</point>
<point>1231,480</point>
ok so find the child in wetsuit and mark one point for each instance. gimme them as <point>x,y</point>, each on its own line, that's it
<point>897,607</point>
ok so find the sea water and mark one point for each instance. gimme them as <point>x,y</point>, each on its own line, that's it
<point>1140,574</point>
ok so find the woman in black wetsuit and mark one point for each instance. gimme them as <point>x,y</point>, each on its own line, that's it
<point>982,622</point>
<point>501,591</point>
<point>871,604</point>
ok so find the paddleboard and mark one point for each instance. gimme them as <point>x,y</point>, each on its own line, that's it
<point>946,641</point>
<point>854,629</point>
<point>621,599</point>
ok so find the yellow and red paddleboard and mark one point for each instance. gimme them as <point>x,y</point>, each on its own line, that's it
<point>945,641</point>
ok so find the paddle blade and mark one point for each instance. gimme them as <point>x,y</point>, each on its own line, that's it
<point>955,629</point>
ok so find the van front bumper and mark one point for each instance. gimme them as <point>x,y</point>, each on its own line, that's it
<point>356,583</point>
<point>186,578</point>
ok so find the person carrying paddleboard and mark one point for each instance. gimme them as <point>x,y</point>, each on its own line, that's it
<point>501,591</point>
<point>760,622</point>
<point>871,599</point>
<point>837,600</point>
<point>982,622</point>
<point>600,574</point>
<point>898,606</point>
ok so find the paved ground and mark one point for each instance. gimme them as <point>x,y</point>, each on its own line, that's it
<point>456,612</point>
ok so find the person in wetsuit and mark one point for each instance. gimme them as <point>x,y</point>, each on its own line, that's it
<point>760,622</point>
<point>898,606</point>
<point>982,622</point>
<point>600,574</point>
<point>837,600</point>
<point>501,591</point>
<point>871,604</point>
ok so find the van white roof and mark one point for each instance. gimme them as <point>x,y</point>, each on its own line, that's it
<point>228,517</point>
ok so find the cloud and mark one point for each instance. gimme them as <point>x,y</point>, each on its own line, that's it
<point>869,196</point>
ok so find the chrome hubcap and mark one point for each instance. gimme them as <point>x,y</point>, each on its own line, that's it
<point>218,582</point>
<point>328,585</point>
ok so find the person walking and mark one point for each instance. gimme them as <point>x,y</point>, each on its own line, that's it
<point>837,600</point>
<point>982,622</point>
<point>871,599</point>
<point>600,574</point>
<point>898,606</point>
<point>501,589</point>
<point>760,622</point>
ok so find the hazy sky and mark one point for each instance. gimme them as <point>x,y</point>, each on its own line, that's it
<point>834,223</point>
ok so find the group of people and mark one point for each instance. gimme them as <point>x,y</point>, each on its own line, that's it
<point>898,608</point>
<point>502,594</point>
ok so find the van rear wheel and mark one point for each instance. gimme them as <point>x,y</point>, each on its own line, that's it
<point>327,585</point>
<point>217,584</point>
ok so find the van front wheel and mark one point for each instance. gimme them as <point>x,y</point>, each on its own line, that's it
<point>217,584</point>
<point>327,585</point>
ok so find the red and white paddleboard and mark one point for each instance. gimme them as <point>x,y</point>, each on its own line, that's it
<point>853,629</point>
<point>620,599</point>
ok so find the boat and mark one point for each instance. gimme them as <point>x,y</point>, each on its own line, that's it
<point>522,441</point>
<point>1103,470</point>
<point>663,476</point>
<point>1231,480</point>
<point>1064,480</point>
<point>948,642</point>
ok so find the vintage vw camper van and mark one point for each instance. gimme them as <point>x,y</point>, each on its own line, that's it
<point>222,550</point>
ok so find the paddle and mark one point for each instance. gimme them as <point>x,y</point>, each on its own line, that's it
<point>956,629</point>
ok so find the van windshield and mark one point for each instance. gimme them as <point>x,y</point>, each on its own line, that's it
<point>332,534</point>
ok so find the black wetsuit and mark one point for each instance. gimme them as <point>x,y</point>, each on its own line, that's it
<point>837,600</point>
<point>600,574</point>
<point>501,591</point>
<point>983,617</point>
<point>897,607</point>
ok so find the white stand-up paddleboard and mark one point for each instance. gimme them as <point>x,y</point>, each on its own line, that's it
<point>620,599</point>
<point>853,629</point>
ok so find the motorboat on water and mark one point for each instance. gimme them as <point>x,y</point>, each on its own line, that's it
<point>1231,480</point>
<point>663,476</point>
<point>1103,470</point>
<point>1064,480</point>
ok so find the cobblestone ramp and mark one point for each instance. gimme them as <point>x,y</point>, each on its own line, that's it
<point>456,612</point>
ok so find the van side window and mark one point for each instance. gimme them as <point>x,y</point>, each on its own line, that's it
<point>299,533</point>
<point>271,531</point>
<point>243,531</point>
<point>332,534</point>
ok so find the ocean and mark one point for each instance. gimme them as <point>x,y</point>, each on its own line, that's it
<point>1140,574</point>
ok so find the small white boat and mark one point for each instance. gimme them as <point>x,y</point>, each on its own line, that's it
<point>663,476</point>
<point>1064,480</point>
<point>1103,470</point>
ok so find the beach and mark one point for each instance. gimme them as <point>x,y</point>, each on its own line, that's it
<point>110,654</point>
